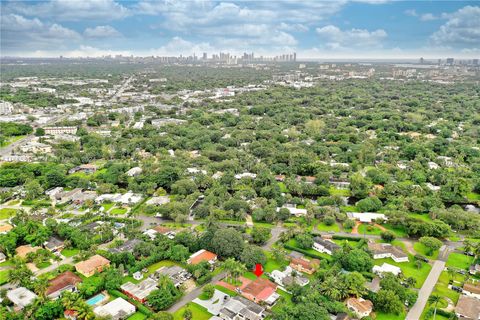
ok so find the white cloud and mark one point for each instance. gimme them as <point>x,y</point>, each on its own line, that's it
<point>70,10</point>
<point>428,17</point>
<point>343,39</point>
<point>297,27</point>
<point>411,12</point>
<point>101,32</point>
<point>19,32</point>
<point>461,28</point>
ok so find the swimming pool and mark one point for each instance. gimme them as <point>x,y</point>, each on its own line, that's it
<point>96,299</point>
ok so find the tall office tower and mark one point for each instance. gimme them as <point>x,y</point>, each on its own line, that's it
<point>205,56</point>
<point>294,56</point>
<point>450,61</point>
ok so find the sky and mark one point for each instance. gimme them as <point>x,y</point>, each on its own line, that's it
<point>313,29</point>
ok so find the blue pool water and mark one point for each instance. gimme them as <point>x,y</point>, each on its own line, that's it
<point>96,299</point>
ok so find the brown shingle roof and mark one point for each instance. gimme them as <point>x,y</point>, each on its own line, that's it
<point>91,264</point>
<point>468,307</point>
<point>63,280</point>
<point>360,305</point>
<point>22,251</point>
<point>470,287</point>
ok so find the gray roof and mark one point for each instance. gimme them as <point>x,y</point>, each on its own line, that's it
<point>242,306</point>
<point>128,246</point>
<point>326,244</point>
<point>53,243</point>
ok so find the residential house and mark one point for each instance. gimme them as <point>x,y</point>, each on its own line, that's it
<point>366,217</point>
<point>3,257</point>
<point>238,307</point>
<point>261,290</point>
<point>374,285</point>
<point>21,297</point>
<point>245,175</point>
<point>52,193</point>
<point>472,290</point>
<point>139,291</point>
<point>96,263</point>
<point>385,267</point>
<point>324,246</point>
<point>60,130</point>
<point>280,178</point>
<point>23,251</point>
<point>468,308</point>
<point>361,307</point>
<point>127,246</point>
<point>474,269</point>
<point>294,211</point>
<point>157,201</point>
<point>304,265</point>
<point>54,244</point>
<point>288,277</point>
<point>177,274</point>
<point>125,199</point>
<point>5,228</point>
<point>133,172</point>
<point>306,179</point>
<point>66,281</point>
<point>85,168</point>
<point>117,309</point>
<point>386,250</point>
<point>202,255</point>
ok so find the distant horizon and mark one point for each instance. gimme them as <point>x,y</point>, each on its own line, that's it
<point>346,29</point>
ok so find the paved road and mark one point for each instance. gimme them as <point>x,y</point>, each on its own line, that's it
<point>427,288</point>
<point>6,151</point>
<point>193,294</point>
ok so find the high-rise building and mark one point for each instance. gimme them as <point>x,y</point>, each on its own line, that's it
<point>205,57</point>
<point>294,56</point>
<point>450,61</point>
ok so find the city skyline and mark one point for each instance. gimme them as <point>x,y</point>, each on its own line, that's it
<point>314,30</point>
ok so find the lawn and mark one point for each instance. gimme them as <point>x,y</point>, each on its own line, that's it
<point>441,288</point>
<point>460,261</point>
<point>367,229</point>
<point>398,231</point>
<point>323,227</point>
<point>198,312</point>
<point>272,264</point>
<point>7,263</point>
<point>424,217</point>
<point>118,211</point>
<point>69,252</point>
<point>349,208</point>
<point>339,192</point>
<point>282,187</point>
<point>137,316</point>
<point>473,196</point>
<point>227,291</point>
<point>43,265</point>
<point>389,316</point>
<point>4,276</point>
<point>421,249</point>
<point>107,206</point>
<point>409,269</point>
<point>6,213</point>
<point>11,140</point>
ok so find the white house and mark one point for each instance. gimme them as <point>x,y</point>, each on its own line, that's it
<point>366,217</point>
<point>386,268</point>
<point>116,309</point>
<point>324,246</point>
<point>21,297</point>
<point>298,212</point>
<point>288,277</point>
<point>386,250</point>
<point>135,171</point>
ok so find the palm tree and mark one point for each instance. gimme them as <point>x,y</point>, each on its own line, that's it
<point>69,300</point>
<point>233,268</point>
<point>40,286</point>
<point>451,273</point>
<point>434,299</point>
<point>329,288</point>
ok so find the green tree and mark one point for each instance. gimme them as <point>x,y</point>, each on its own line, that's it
<point>227,243</point>
<point>252,255</point>
<point>431,244</point>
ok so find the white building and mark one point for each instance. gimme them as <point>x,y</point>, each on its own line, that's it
<point>245,175</point>
<point>366,217</point>
<point>298,212</point>
<point>6,107</point>
<point>380,270</point>
<point>21,297</point>
<point>324,246</point>
<point>60,130</point>
<point>135,171</point>
<point>116,309</point>
<point>288,277</point>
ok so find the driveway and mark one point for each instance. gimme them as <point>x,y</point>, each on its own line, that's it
<point>193,294</point>
<point>215,304</point>
<point>426,291</point>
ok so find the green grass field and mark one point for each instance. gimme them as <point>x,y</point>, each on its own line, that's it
<point>118,211</point>
<point>458,260</point>
<point>339,192</point>
<point>366,229</point>
<point>198,312</point>
<point>4,276</point>
<point>69,252</point>
<point>323,227</point>
<point>473,196</point>
<point>282,187</point>
<point>137,316</point>
<point>6,213</point>
<point>107,206</point>
<point>424,217</point>
<point>227,291</point>
<point>409,269</point>
<point>399,232</point>
<point>421,249</point>
<point>389,316</point>
<point>441,288</point>
<point>272,264</point>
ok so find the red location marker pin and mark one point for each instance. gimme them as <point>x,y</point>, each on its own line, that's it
<point>258,270</point>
